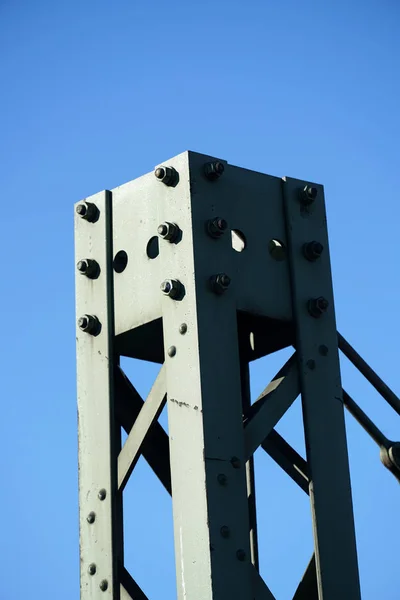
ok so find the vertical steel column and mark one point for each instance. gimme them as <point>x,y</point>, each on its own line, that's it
<point>209,491</point>
<point>99,438</point>
<point>323,411</point>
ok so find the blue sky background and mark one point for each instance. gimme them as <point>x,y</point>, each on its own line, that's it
<point>95,94</point>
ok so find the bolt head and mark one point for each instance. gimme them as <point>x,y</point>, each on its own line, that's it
<point>89,324</point>
<point>92,569</point>
<point>313,250</point>
<point>216,227</point>
<point>103,585</point>
<point>317,306</point>
<point>308,195</point>
<point>220,283</point>
<point>82,266</point>
<point>81,210</point>
<point>183,328</point>
<point>88,211</point>
<point>159,173</point>
<point>168,231</point>
<point>167,175</point>
<point>102,494</point>
<point>213,170</point>
<point>172,351</point>
<point>83,323</point>
<point>91,517</point>
<point>162,230</point>
<point>222,479</point>
<point>171,288</point>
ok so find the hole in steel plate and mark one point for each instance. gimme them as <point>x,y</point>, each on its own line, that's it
<point>277,249</point>
<point>238,240</point>
<point>152,249</point>
<point>120,261</point>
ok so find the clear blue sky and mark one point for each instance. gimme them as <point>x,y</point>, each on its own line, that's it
<point>97,93</point>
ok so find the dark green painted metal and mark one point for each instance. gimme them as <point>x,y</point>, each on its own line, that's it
<point>323,411</point>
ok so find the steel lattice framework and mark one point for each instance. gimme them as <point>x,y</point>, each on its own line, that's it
<point>157,280</point>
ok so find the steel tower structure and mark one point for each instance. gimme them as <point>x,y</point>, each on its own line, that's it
<point>157,279</point>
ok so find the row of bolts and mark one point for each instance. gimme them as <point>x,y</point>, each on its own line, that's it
<point>170,232</point>
<point>173,288</point>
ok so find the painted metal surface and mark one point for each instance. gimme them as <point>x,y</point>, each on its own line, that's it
<point>245,272</point>
<point>323,411</point>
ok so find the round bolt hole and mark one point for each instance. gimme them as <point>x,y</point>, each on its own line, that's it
<point>277,249</point>
<point>239,242</point>
<point>153,249</point>
<point>120,261</point>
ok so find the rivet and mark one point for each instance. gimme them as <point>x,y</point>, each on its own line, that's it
<point>225,531</point>
<point>91,517</point>
<point>183,328</point>
<point>235,462</point>
<point>323,350</point>
<point>311,364</point>
<point>102,494</point>
<point>92,569</point>
<point>103,585</point>
<point>241,554</point>
<point>222,479</point>
<point>172,351</point>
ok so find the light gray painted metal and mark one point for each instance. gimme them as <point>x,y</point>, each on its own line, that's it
<point>209,450</point>
<point>323,411</point>
<point>150,412</point>
<point>204,400</point>
<point>271,405</point>
<point>101,541</point>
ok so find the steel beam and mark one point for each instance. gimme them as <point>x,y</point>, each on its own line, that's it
<point>100,505</point>
<point>323,411</point>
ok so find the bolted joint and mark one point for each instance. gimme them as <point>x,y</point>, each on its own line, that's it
<point>88,211</point>
<point>89,267</point>
<point>216,227</point>
<point>317,306</point>
<point>172,288</point>
<point>390,458</point>
<point>308,194</point>
<point>220,283</point>
<point>168,231</point>
<point>312,250</point>
<point>89,324</point>
<point>214,170</point>
<point>167,175</point>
